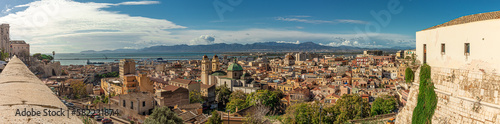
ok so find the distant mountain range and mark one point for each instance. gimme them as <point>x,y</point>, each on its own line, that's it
<point>255,47</point>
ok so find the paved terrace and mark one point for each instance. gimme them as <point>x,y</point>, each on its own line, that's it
<point>20,89</point>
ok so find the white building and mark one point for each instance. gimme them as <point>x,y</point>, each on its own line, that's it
<point>466,42</point>
<point>408,53</point>
<point>465,69</point>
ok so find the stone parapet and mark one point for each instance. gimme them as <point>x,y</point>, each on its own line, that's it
<point>20,89</point>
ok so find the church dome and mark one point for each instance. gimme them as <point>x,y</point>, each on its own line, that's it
<point>219,73</point>
<point>289,57</point>
<point>235,67</point>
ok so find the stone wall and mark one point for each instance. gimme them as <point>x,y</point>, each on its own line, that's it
<point>46,70</point>
<point>20,89</point>
<point>464,96</point>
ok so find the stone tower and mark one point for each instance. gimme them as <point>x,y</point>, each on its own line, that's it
<point>4,38</point>
<point>215,63</point>
<point>127,66</point>
<point>205,69</point>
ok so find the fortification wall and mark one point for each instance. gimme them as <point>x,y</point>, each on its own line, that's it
<point>464,96</point>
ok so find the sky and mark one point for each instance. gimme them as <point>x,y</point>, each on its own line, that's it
<point>71,26</point>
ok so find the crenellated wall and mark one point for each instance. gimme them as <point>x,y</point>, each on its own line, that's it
<point>464,96</point>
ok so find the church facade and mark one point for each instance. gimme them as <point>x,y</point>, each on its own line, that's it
<point>234,77</point>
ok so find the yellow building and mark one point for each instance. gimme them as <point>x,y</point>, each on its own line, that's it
<point>128,81</point>
<point>285,88</point>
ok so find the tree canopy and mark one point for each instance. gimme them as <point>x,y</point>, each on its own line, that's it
<point>383,105</point>
<point>109,74</point>
<point>46,57</point>
<point>271,99</point>
<point>163,115</point>
<point>257,115</point>
<point>79,89</point>
<point>237,100</point>
<point>304,113</point>
<point>195,97</point>
<point>222,94</point>
<point>4,56</point>
<point>215,118</point>
<point>348,107</point>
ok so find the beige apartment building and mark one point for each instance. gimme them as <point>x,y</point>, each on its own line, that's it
<point>21,49</point>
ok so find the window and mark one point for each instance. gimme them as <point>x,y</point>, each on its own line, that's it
<point>467,49</point>
<point>143,103</point>
<point>131,105</point>
<point>124,103</point>
<point>442,48</point>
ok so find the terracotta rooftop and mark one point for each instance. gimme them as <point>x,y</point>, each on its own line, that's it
<point>158,80</point>
<point>468,19</point>
<point>170,88</point>
<point>204,86</point>
<point>183,81</point>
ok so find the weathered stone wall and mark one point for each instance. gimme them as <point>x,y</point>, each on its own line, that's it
<point>20,89</point>
<point>464,96</point>
<point>46,70</point>
<point>404,116</point>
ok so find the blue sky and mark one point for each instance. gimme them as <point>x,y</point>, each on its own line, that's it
<point>77,25</point>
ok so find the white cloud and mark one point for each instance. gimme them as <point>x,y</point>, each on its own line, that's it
<point>289,36</point>
<point>54,22</point>
<point>297,42</point>
<point>7,9</point>
<point>52,25</point>
<point>300,16</point>
<point>202,40</point>
<point>139,3</point>
<point>312,21</point>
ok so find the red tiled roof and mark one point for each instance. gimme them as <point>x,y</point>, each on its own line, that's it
<point>469,19</point>
<point>184,81</point>
<point>158,80</point>
<point>170,88</point>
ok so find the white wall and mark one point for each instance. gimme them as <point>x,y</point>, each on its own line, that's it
<point>483,52</point>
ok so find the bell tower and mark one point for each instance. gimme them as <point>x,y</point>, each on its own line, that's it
<point>205,69</point>
<point>215,63</point>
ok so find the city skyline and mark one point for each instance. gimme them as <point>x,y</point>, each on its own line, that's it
<point>68,26</point>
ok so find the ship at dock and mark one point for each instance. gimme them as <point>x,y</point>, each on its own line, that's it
<point>92,63</point>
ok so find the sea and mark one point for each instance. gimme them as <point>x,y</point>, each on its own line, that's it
<point>82,58</point>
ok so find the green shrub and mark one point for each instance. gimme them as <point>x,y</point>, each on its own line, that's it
<point>426,100</point>
<point>409,76</point>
